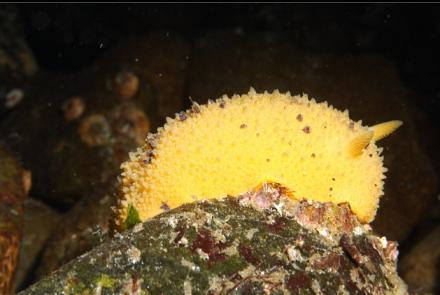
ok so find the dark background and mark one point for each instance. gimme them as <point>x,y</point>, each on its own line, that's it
<point>68,37</point>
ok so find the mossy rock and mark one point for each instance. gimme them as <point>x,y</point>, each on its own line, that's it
<point>261,242</point>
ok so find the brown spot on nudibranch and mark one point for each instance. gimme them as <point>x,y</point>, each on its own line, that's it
<point>306,129</point>
<point>299,118</point>
<point>242,126</point>
<point>182,116</point>
<point>165,207</point>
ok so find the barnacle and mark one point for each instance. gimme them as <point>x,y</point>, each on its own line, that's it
<point>233,145</point>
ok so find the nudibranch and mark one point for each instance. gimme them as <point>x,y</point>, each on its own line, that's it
<point>232,145</point>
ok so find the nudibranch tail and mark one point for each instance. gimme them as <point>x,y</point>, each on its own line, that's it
<point>384,129</point>
<point>359,143</point>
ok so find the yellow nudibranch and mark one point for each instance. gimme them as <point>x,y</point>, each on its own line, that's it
<point>233,145</point>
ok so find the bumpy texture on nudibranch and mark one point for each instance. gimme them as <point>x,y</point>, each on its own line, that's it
<point>233,145</point>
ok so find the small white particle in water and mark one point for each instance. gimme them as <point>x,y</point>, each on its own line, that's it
<point>239,31</point>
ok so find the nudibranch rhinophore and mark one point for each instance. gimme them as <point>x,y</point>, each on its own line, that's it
<point>233,145</point>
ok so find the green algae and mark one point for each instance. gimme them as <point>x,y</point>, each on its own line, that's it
<point>132,217</point>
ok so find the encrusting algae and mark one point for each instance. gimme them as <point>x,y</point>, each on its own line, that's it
<point>234,145</point>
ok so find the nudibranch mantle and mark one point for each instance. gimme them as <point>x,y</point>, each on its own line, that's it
<point>233,145</point>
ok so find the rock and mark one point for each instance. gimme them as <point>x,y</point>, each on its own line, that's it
<point>16,58</point>
<point>420,267</point>
<point>39,221</point>
<point>17,63</point>
<point>75,131</point>
<point>12,195</point>
<point>237,246</point>
<point>85,226</point>
<point>160,59</point>
<point>368,86</point>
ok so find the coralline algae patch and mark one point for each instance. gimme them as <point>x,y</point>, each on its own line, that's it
<point>236,144</point>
